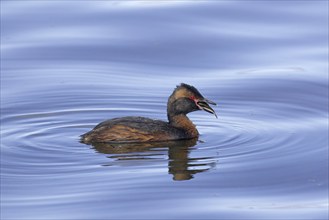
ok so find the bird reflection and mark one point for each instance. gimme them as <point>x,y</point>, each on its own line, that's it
<point>180,164</point>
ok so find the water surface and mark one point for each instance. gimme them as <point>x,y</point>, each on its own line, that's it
<point>67,66</point>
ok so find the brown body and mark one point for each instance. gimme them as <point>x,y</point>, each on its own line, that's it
<point>184,99</point>
<point>138,129</point>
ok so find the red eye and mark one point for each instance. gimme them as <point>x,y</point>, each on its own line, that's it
<point>192,98</point>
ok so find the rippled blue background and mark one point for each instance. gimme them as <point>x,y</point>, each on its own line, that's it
<point>68,65</point>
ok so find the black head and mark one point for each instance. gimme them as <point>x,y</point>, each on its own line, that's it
<point>186,99</point>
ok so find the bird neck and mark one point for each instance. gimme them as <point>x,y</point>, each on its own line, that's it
<point>181,121</point>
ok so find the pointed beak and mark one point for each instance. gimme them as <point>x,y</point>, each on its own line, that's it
<point>203,105</point>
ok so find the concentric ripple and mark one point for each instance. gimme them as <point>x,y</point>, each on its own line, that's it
<point>64,71</point>
<point>267,144</point>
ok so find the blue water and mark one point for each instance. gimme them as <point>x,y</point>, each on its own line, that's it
<point>68,65</point>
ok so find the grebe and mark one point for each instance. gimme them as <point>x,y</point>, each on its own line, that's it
<point>183,100</point>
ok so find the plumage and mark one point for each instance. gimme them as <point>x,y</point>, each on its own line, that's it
<point>183,100</point>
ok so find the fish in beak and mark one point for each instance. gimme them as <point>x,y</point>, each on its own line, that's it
<point>203,104</point>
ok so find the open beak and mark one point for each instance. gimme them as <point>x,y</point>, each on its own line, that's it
<point>203,105</point>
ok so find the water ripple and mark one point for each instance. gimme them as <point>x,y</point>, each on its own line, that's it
<point>62,72</point>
